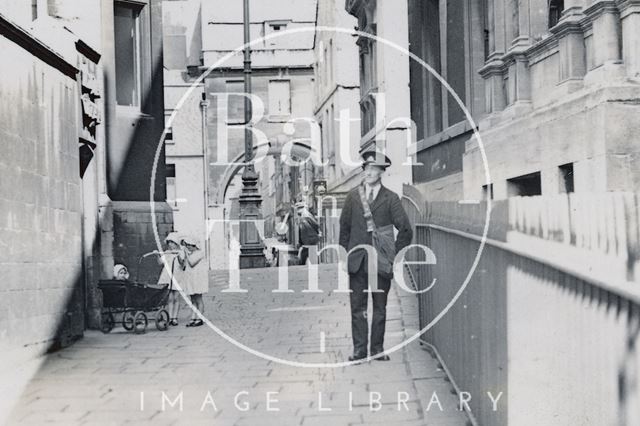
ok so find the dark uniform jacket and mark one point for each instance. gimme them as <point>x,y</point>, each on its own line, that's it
<point>386,209</point>
<point>309,230</point>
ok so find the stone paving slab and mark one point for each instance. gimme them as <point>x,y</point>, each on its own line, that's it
<point>193,376</point>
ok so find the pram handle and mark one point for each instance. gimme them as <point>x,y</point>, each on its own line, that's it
<point>153,253</point>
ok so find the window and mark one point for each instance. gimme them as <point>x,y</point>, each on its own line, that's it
<point>555,11</point>
<point>235,103</point>
<point>452,36</point>
<point>525,185</point>
<point>324,153</point>
<point>330,62</point>
<point>566,178</point>
<point>271,27</point>
<point>34,10</point>
<point>278,25</point>
<point>169,135</point>
<point>368,69</point>
<point>325,61</point>
<point>487,192</point>
<point>332,134</point>
<point>127,45</point>
<point>172,194</point>
<point>279,98</point>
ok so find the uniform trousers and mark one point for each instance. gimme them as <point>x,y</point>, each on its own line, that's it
<point>359,299</point>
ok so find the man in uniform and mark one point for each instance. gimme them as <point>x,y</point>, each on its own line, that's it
<point>386,209</point>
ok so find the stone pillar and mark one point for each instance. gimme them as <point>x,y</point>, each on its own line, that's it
<point>605,21</point>
<point>495,97</point>
<point>218,246</point>
<point>493,71</point>
<point>571,45</point>
<point>523,38</point>
<point>512,24</point>
<point>538,11</point>
<point>519,79</point>
<point>498,35</point>
<point>393,82</point>
<point>630,18</point>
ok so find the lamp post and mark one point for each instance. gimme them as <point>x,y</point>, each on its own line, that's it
<point>204,106</point>
<point>251,246</point>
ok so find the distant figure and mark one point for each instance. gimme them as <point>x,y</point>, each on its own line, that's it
<point>120,272</point>
<point>309,231</point>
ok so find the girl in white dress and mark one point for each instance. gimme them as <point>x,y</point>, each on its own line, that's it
<point>196,282</point>
<point>175,257</point>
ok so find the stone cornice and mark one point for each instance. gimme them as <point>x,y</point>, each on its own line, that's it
<point>599,8</point>
<point>36,47</point>
<point>494,67</point>
<point>542,46</point>
<point>515,54</point>
<point>571,23</point>
<point>628,7</point>
<point>87,51</point>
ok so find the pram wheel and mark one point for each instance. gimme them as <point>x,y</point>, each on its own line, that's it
<point>128,320</point>
<point>140,322</point>
<point>107,322</point>
<point>162,320</point>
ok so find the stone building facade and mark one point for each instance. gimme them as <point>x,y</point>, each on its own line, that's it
<point>384,84</point>
<point>337,88</point>
<point>552,87</point>
<point>186,118</point>
<point>77,130</point>
<point>561,98</point>
<point>282,78</point>
<point>41,196</point>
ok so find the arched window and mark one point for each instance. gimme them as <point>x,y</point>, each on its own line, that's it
<point>555,11</point>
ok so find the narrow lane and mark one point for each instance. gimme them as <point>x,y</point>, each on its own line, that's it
<point>124,378</point>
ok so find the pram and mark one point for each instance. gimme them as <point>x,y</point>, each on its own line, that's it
<point>134,299</point>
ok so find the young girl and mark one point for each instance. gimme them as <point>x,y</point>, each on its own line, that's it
<point>195,277</point>
<point>175,257</point>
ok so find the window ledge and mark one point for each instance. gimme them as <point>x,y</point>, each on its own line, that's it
<point>132,111</point>
<point>279,118</point>
<point>447,134</point>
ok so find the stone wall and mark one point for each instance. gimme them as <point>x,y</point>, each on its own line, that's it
<point>593,129</point>
<point>134,236</point>
<point>40,206</point>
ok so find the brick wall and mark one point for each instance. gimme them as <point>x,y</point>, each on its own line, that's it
<point>40,205</point>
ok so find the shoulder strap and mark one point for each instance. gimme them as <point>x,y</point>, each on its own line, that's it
<point>371,226</point>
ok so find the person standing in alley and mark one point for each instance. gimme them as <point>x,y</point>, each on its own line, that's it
<point>195,282</point>
<point>171,273</point>
<point>309,231</point>
<point>370,213</point>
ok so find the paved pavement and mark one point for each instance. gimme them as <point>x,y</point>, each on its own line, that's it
<point>194,376</point>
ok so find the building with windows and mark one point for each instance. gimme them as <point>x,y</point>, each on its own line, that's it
<point>337,88</point>
<point>82,116</point>
<point>551,85</point>
<point>450,38</point>
<point>185,114</point>
<point>385,112</point>
<point>200,37</point>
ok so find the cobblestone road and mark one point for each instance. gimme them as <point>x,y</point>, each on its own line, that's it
<point>124,378</point>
